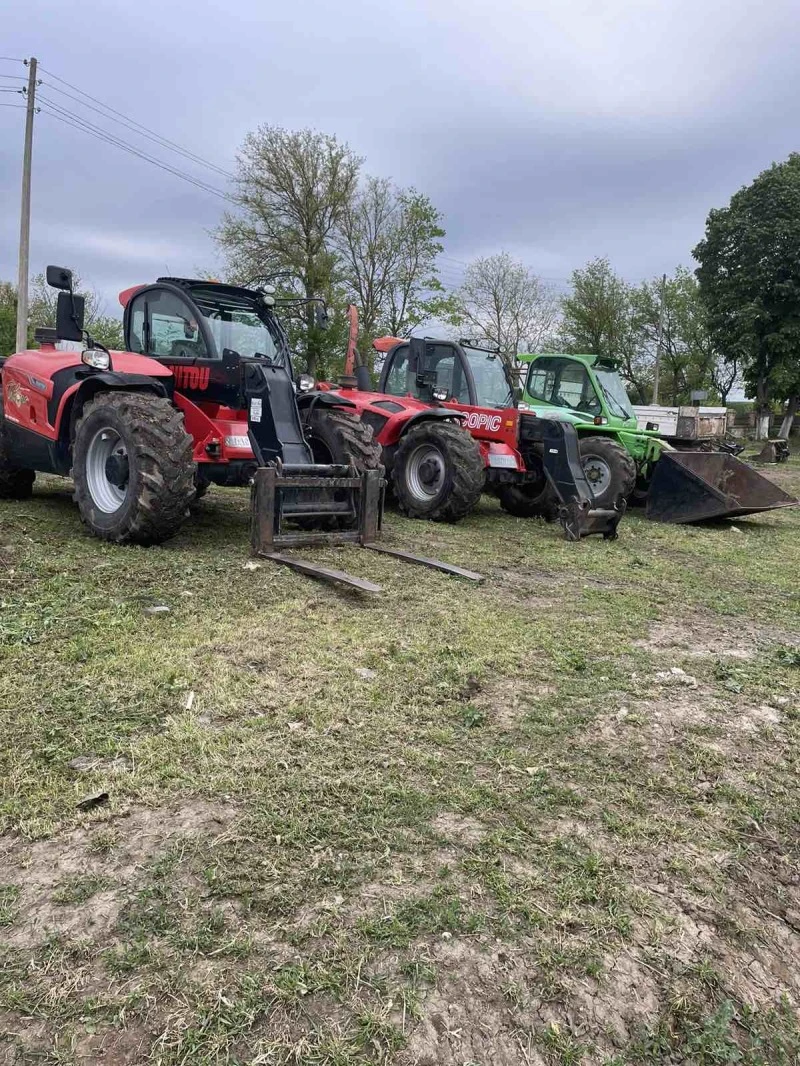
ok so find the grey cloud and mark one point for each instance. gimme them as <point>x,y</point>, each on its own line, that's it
<point>558,130</point>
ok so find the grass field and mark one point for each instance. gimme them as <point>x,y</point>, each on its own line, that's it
<point>550,819</point>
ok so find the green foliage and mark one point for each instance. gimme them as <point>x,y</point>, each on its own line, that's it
<point>292,190</point>
<point>749,278</point>
<point>607,315</point>
<point>600,316</point>
<point>389,242</point>
<point>302,214</point>
<point>42,311</point>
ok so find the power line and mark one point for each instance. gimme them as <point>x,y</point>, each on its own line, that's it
<point>54,110</point>
<point>13,77</point>
<point>13,105</point>
<point>134,125</point>
<point>11,59</point>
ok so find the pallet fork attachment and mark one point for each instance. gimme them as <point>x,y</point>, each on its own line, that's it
<point>283,494</point>
<point>562,464</point>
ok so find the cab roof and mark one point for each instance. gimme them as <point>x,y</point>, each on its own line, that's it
<point>586,358</point>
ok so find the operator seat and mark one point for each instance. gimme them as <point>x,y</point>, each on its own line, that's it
<point>186,349</point>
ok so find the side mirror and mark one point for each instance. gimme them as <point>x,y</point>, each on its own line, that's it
<point>69,317</point>
<point>59,278</point>
<point>321,316</point>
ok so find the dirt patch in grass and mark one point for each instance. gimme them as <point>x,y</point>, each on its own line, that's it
<point>458,829</point>
<point>75,885</point>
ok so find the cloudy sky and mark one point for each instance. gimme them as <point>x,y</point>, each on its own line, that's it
<point>557,130</point>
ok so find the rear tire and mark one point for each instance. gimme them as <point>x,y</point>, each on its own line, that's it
<point>529,501</point>
<point>132,468</point>
<point>16,483</point>
<point>201,486</point>
<point>609,469</point>
<point>438,472</point>
<point>337,437</point>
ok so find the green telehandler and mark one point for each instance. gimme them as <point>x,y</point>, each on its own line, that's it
<point>620,459</point>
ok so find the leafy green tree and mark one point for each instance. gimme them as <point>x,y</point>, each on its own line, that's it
<point>42,311</point>
<point>8,318</point>
<point>603,316</point>
<point>389,240</point>
<point>749,276</point>
<point>292,189</point>
<point>688,358</point>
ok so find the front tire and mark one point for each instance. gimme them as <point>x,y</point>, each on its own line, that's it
<point>438,472</point>
<point>609,470</point>
<point>132,468</point>
<point>16,483</point>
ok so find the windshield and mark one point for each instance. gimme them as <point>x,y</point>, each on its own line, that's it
<point>615,394</point>
<point>241,325</point>
<point>492,387</point>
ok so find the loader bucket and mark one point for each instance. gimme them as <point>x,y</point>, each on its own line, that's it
<point>695,486</point>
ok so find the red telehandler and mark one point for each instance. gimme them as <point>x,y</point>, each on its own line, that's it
<point>445,415</point>
<point>205,392</point>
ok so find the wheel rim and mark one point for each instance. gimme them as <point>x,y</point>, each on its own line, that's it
<point>598,474</point>
<point>425,472</point>
<point>107,473</point>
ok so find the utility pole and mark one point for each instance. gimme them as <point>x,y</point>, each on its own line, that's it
<point>657,373</point>
<point>25,214</point>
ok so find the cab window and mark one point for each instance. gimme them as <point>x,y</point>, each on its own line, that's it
<point>397,378</point>
<point>443,360</point>
<point>136,339</point>
<point>563,383</point>
<point>174,329</point>
<point>168,330</point>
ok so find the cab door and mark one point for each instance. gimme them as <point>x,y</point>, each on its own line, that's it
<point>431,371</point>
<point>165,325</point>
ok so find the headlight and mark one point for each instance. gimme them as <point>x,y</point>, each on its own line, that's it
<point>96,358</point>
<point>305,383</point>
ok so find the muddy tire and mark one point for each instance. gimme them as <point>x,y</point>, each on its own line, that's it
<point>438,472</point>
<point>337,437</point>
<point>16,483</point>
<point>529,501</point>
<point>201,487</point>
<point>132,467</point>
<point>609,469</point>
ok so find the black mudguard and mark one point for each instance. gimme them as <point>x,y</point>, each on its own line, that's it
<point>319,398</point>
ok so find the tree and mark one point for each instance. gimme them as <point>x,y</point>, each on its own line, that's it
<point>292,189</point>
<point>506,305</point>
<point>601,316</point>
<point>389,242</point>
<point>749,276</point>
<point>688,358</point>
<point>8,318</point>
<point>42,311</point>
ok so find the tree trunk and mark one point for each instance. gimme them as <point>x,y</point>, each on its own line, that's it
<point>762,409</point>
<point>791,411</point>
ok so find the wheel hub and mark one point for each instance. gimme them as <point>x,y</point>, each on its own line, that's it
<point>426,471</point>
<point>597,474</point>
<point>118,469</point>
<point>107,470</point>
